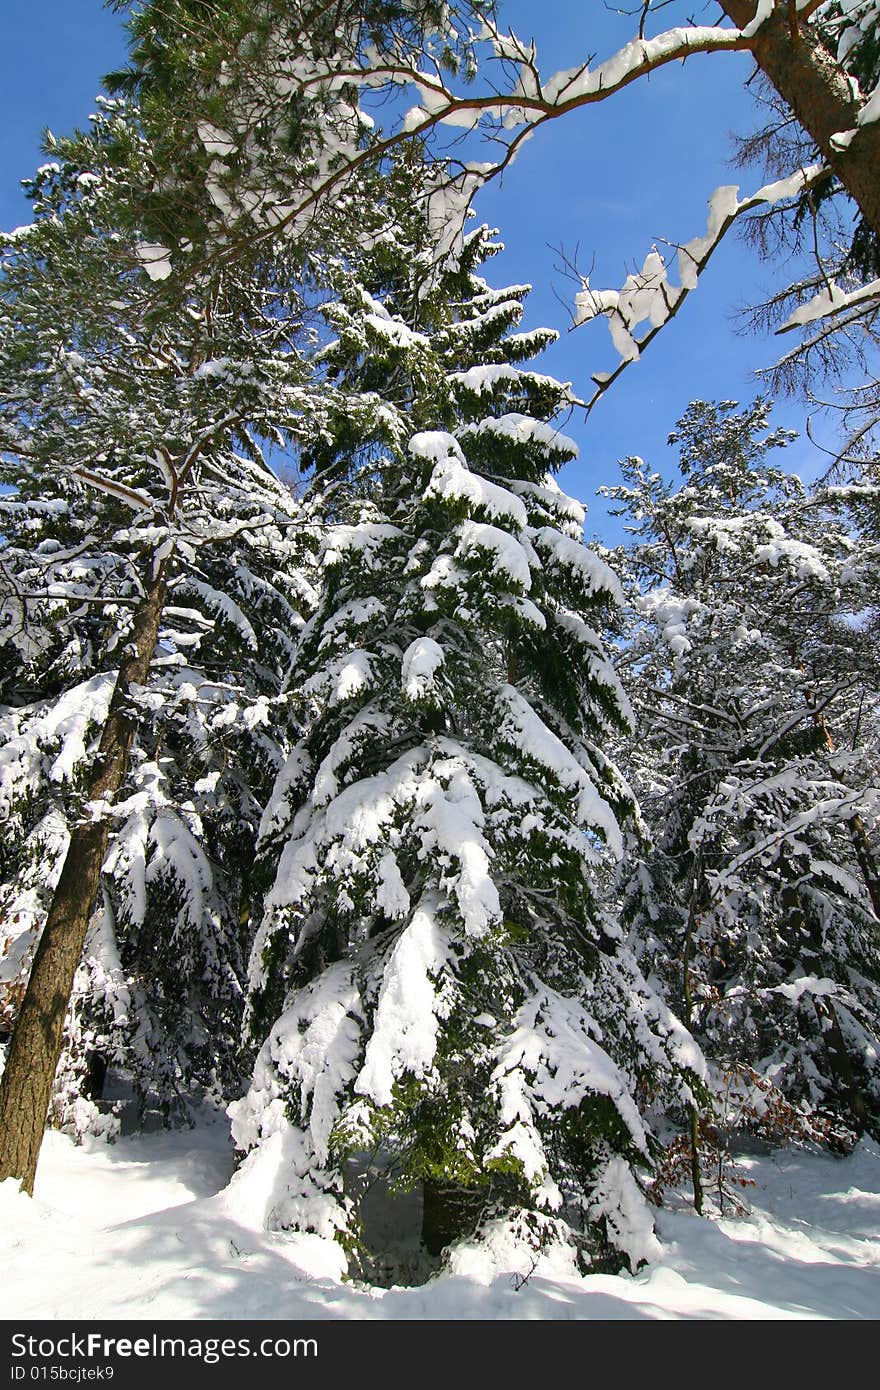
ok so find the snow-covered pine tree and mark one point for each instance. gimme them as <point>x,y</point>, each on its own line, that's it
<point>257,108</point>
<point>152,582</point>
<point>210,734</point>
<point>437,985</point>
<point>747,680</point>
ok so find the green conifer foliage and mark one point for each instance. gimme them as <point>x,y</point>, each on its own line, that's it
<point>435,981</point>
<point>130,444</point>
<point>749,666</point>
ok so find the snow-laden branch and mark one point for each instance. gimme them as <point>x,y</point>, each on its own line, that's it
<point>830,302</point>
<point>509,112</point>
<point>139,500</point>
<point>532,98</point>
<point>833,809</point>
<point>648,296</point>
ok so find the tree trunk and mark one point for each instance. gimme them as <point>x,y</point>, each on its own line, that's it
<point>812,83</point>
<point>26,1085</point>
<point>867,862</point>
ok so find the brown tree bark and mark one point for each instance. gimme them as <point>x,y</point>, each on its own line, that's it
<point>812,84</point>
<point>26,1085</point>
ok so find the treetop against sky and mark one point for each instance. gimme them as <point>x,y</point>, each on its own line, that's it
<point>599,188</point>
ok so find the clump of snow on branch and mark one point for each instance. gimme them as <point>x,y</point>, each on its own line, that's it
<point>648,295</point>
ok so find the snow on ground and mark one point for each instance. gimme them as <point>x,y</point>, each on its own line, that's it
<point>142,1229</point>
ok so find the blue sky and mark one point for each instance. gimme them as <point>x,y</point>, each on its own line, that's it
<point>52,58</point>
<point>611,179</point>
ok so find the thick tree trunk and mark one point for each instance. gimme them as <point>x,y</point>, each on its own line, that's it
<point>26,1086</point>
<point>812,84</point>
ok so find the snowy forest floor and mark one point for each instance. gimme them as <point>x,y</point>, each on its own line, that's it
<point>142,1229</point>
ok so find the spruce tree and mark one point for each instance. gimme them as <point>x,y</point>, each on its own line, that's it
<point>748,677</point>
<point>436,984</point>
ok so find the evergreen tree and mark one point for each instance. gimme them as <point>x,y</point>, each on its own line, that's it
<point>258,110</point>
<point>752,902</point>
<point>152,582</point>
<point>436,980</point>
